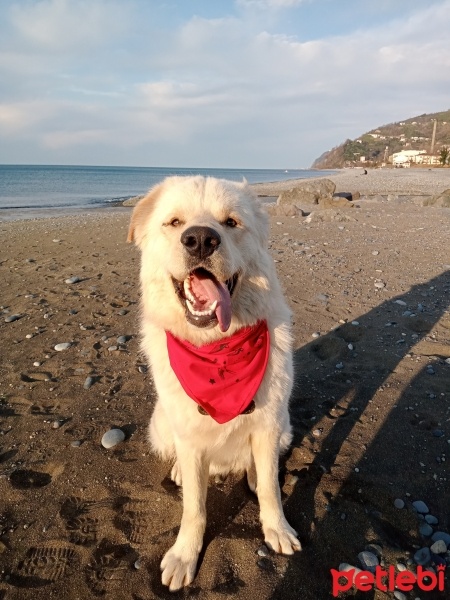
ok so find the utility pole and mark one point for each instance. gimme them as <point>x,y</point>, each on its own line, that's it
<point>433,137</point>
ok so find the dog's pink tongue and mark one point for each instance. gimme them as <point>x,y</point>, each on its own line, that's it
<point>214,290</point>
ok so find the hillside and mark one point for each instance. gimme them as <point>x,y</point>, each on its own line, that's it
<point>377,145</point>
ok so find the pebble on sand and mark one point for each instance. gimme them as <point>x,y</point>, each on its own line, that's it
<point>63,346</point>
<point>420,507</point>
<point>11,318</point>
<point>422,556</point>
<point>398,503</point>
<point>112,437</point>
<point>74,279</point>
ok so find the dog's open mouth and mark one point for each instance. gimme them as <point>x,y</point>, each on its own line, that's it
<point>207,300</point>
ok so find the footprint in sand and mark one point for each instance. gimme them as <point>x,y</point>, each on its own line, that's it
<point>45,564</point>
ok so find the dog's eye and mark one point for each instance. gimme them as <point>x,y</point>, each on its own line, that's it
<point>230,222</point>
<point>175,222</point>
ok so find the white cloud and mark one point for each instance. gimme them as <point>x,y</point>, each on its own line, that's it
<point>223,90</point>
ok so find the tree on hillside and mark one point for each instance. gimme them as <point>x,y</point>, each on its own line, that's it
<point>444,156</point>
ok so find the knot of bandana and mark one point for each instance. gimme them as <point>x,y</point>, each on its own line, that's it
<point>223,376</point>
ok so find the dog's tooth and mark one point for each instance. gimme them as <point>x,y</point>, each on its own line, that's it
<point>190,307</point>
<point>213,307</point>
<point>187,290</point>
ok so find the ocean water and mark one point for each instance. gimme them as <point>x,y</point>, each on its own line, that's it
<point>40,190</point>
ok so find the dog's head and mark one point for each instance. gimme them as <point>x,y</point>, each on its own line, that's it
<point>203,244</point>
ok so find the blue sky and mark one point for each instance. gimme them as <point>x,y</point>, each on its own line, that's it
<point>203,83</point>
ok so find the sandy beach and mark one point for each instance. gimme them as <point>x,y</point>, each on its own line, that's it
<point>369,291</point>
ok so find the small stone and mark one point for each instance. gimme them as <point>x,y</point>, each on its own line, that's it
<point>438,433</point>
<point>138,564</point>
<point>112,437</point>
<point>317,433</point>
<point>441,535</point>
<point>112,348</point>
<point>56,424</point>
<point>11,318</point>
<point>430,370</point>
<point>375,253</point>
<point>340,365</point>
<point>422,556</point>
<point>316,335</point>
<point>355,323</point>
<point>76,444</point>
<point>426,530</point>
<point>400,302</point>
<point>73,279</point>
<point>439,547</point>
<point>379,285</point>
<point>350,346</point>
<point>368,561</point>
<point>89,382</point>
<point>400,567</point>
<point>398,503</point>
<point>347,567</point>
<point>122,312</point>
<point>420,507</point>
<point>431,520</point>
<point>63,346</point>
<point>375,549</point>
<point>265,564</point>
<point>447,360</point>
<point>263,551</point>
<point>142,369</point>
<point>399,595</point>
<point>36,363</point>
<point>122,339</point>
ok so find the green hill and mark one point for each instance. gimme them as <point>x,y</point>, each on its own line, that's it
<point>378,144</point>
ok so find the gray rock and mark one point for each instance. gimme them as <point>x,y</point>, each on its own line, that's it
<point>375,549</point>
<point>112,437</point>
<point>422,556</point>
<point>400,567</point>
<point>70,280</point>
<point>122,339</point>
<point>263,551</point>
<point>368,561</point>
<point>63,346</point>
<point>426,530</point>
<point>431,520</point>
<point>441,535</point>
<point>89,382</point>
<point>76,444</point>
<point>399,595</point>
<point>439,547</point>
<point>316,335</point>
<point>420,507</point>
<point>308,192</point>
<point>398,503</point>
<point>11,318</point>
<point>340,365</point>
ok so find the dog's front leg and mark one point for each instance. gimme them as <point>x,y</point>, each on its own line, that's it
<point>278,534</point>
<point>179,564</point>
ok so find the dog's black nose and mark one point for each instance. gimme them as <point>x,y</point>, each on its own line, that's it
<point>200,242</point>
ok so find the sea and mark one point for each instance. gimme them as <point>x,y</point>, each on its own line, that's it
<point>36,191</point>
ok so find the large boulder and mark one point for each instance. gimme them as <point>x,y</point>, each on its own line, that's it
<point>439,200</point>
<point>308,192</point>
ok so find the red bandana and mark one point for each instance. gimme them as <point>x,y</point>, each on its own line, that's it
<point>224,376</point>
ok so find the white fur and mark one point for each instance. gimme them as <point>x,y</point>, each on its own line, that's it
<point>196,444</point>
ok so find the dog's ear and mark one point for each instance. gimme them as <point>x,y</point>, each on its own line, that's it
<point>140,215</point>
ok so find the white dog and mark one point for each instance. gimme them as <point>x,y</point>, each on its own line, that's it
<point>216,332</point>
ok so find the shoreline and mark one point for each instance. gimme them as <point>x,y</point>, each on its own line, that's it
<point>403,182</point>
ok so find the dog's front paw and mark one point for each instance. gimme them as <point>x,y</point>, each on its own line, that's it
<point>178,567</point>
<point>282,538</point>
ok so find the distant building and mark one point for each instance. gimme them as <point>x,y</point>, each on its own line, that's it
<point>406,158</point>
